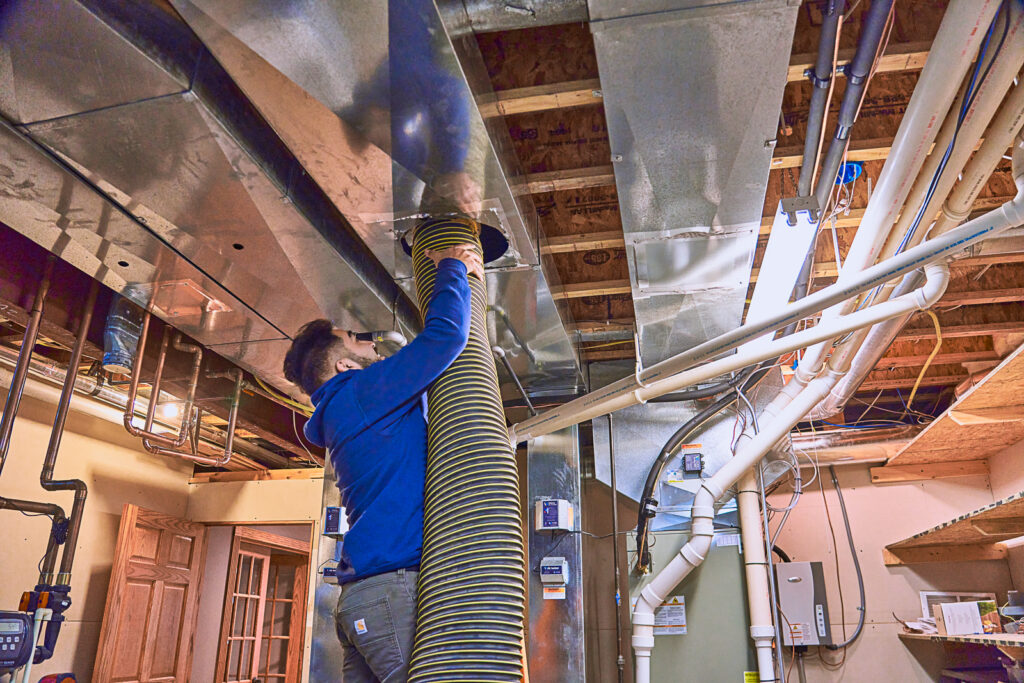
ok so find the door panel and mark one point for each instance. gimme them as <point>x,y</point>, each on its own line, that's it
<point>150,613</point>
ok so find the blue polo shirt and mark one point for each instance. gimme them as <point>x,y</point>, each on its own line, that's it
<point>373,424</point>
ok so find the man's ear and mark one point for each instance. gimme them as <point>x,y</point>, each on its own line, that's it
<point>340,366</point>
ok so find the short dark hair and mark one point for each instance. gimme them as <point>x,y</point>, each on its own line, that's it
<point>310,360</point>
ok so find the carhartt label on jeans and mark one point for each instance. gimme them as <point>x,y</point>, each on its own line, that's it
<point>360,625</point>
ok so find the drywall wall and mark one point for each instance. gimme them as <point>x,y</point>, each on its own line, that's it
<point>117,471</point>
<point>879,515</point>
<point>1006,474</point>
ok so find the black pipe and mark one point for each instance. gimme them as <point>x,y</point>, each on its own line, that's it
<point>28,342</point>
<point>647,502</point>
<point>781,553</point>
<point>821,78</point>
<point>58,525</point>
<point>857,72</point>
<point>46,479</point>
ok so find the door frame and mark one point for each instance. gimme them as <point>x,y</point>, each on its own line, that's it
<point>243,535</point>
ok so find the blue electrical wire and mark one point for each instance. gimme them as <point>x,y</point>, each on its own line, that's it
<point>972,93</point>
<point>969,97</point>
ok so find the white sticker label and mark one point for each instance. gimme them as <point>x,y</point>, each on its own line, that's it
<point>554,592</point>
<point>670,618</point>
<point>360,625</point>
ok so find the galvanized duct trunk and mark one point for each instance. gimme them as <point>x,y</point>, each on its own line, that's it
<point>471,584</point>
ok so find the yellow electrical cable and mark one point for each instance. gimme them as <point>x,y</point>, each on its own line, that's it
<point>302,408</point>
<point>472,592</point>
<point>931,357</point>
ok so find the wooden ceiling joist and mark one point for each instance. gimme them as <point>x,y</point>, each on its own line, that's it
<point>586,242</point>
<point>987,296</point>
<point>908,382</point>
<point>955,331</point>
<point>582,289</point>
<point>571,179</point>
<point>940,359</point>
<point>543,97</point>
<point>897,57</point>
<point>874,149</point>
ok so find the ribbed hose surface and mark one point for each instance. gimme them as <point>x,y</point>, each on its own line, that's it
<point>471,584</point>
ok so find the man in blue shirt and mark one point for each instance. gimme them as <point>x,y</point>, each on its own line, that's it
<point>371,417</point>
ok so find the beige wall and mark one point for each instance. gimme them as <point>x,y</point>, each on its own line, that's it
<point>1006,472</point>
<point>117,471</point>
<point>882,514</point>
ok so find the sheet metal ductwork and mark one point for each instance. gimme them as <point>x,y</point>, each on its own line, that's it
<point>692,92</point>
<point>177,164</point>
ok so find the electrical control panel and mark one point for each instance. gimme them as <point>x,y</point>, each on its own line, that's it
<point>693,463</point>
<point>334,522</point>
<point>553,514</point>
<point>554,571</point>
<point>801,587</point>
<point>15,639</point>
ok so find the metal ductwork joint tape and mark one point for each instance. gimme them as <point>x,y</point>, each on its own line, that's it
<point>472,589</point>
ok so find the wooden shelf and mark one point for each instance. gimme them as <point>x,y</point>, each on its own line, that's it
<point>982,422</point>
<point>974,536</point>
<point>993,639</point>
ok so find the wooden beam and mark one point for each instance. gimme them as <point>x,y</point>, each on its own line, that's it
<point>615,324</point>
<point>943,553</point>
<point>258,475</point>
<point>908,382</point>
<point>873,149</point>
<point>572,179</point>
<point>609,354</point>
<point>565,244</point>
<point>581,289</point>
<point>938,470</point>
<point>1007,528</point>
<point>543,97</point>
<point>940,359</point>
<point>985,296</point>
<point>984,416</point>
<point>897,57</point>
<point>955,331</point>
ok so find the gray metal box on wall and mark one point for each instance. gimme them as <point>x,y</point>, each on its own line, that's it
<point>803,604</point>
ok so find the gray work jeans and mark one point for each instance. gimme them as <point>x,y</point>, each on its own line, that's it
<point>376,622</point>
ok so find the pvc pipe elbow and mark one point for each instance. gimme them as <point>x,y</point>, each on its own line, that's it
<point>936,280</point>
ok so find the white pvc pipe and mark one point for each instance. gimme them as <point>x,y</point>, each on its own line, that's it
<point>989,94</point>
<point>664,377</point>
<point>755,562</point>
<point>954,48</point>
<point>777,420</point>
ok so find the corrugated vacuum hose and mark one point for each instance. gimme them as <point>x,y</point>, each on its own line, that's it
<point>472,589</point>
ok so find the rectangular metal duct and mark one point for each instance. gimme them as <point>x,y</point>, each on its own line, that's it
<point>282,206</point>
<point>692,93</point>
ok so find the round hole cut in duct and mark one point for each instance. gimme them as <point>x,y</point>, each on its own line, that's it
<point>472,589</point>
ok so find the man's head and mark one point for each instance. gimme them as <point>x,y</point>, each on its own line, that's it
<point>319,352</point>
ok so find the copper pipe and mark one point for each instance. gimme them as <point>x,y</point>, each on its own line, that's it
<point>193,454</point>
<point>46,479</point>
<point>133,389</point>
<point>28,342</point>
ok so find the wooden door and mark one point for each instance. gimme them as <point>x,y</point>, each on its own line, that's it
<point>264,618</point>
<point>150,616</point>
